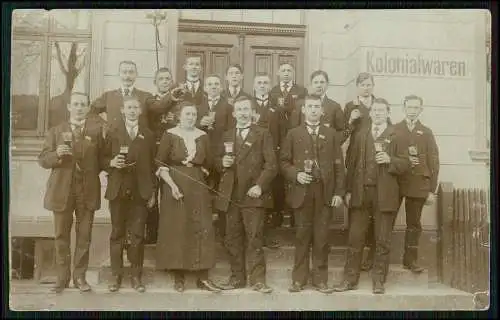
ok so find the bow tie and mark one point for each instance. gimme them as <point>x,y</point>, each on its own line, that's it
<point>262,100</point>
<point>213,100</point>
<point>242,128</point>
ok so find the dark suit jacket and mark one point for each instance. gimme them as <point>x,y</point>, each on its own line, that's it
<point>157,108</point>
<point>228,97</point>
<point>61,176</point>
<point>423,178</point>
<point>197,98</point>
<point>255,164</point>
<point>112,101</point>
<point>296,148</point>
<point>142,151</point>
<point>273,119</point>
<point>291,103</point>
<point>224,120</point>
<point>387,183</point>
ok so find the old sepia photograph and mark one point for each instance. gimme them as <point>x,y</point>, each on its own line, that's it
<point>249,160</point>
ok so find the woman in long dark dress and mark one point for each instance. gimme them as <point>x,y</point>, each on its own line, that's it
<point>186,240</point>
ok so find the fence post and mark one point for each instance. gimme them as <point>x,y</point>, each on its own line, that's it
<point>445,221</point>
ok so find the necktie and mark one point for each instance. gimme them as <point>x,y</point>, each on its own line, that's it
<point>77,132</point>
<point>212,102</point>
<point>411,125</point>
<point>285,88</point>
<point>193,87</point>
<point>262,101</point>
<point>375,132</point>
<point>131,132</point>
<point>313,131</point>
<point>126,91</point>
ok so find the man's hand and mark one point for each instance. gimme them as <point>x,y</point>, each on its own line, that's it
<point>431,197</point>
<point>382,157</point>
<point>117,162</point>
<point>347,199</point>
<point>355,114</point>
<point>255,192</point>
<point>152,200</point>
<point>207,121</point>
<point>63,150</point>
<point>170,117</point>
<point>414,161</point>
<point>336,201</point>
<point>304,178</point>
<point>227,161</point>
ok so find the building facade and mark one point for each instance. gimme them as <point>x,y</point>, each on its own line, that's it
<point>440,55</point>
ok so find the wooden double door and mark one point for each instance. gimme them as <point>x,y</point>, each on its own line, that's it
<point>255,53</point>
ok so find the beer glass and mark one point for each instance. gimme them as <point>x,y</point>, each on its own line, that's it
<point>308,166</point>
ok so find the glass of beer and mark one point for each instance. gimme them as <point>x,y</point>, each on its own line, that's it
<point>124,151</point>
<point>413,151</point>
<point>228,147</point>
<point>211,115</point>
<point>67,138</point>
<point>308,166</point>
<point>379,147</point>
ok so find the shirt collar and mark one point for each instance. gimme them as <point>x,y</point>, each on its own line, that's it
<point>244,126</point>
<point>381,127</point>
<point>131,124</point>
<point>74,123</point>
<point>214,99</point>
<point>159,94</point>
<point>289,84</point>
<point>234,91</point>
<point>193,80</point>
<point>411,122</point>
<point>368,99</point>
<point>130,89</point>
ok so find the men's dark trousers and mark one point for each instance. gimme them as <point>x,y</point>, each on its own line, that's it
<point>63,222</point>
<point>244,242</point>
<point>413,208</point>
<point>128,219</point>
<point>383,225</point>
<point>312,221</point>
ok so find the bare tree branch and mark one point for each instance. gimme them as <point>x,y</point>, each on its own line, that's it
<point>59,58</point>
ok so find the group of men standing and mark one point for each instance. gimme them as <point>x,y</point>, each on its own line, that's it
<point>289,159</point>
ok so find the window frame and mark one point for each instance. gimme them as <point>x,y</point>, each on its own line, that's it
<point>48,36</point>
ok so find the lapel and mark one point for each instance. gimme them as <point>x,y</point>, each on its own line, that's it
<point>386,136</point>
<point>247,143</point>
<point>321,139</point>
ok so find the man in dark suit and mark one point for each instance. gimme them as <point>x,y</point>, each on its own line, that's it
<point>273,119</point>
<point>333,116</point>
<point>215,116</point>
<point>311,160</point>
<point>130,191</point>
<point>357,115</point>
<point>372,189</point>
<point>192,83</point>
<point>110,102</point>
<point>287,95</point>
<point>419,185</point>
<point>244,193</point>
<point>234,78</point>
<point>74,152</point>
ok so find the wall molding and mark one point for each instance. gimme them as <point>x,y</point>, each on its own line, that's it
<point>249,28</point>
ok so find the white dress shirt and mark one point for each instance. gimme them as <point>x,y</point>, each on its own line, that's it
<point>74,124</point>
<point>130,89</point>
<point>288,86</point>
<point>234,91</point>
<point>213,101</point>
<point>311,130</point>
<point>380,129</point>
<point>193,82</point>
<point>132,128</point>
<point>411,124</point>
<point>243,130</point>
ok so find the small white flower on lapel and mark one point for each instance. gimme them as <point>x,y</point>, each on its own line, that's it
<point>88,138</point>
<point>294,96</point>
<point>387,141</point>
<point>248,143</point>
<point>271,109</point>
<point>419,132</point>
<point>321,136</point>
<point>140,136</point>
<point>326,125</point>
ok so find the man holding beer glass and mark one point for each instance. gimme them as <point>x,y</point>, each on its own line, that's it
<point>311,160</point>
<point>418,185</point>
<point>377,158</point>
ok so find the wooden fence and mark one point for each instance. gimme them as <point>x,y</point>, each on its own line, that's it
<point>464,226</point>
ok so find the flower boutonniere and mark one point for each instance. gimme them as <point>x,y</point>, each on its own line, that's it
<point>294,96</point>
<point>140,136</point>
<point>321,137</point>
<point>419,132</point>
<point>387,141</point>
<point>88,138</point>
<point>248,143</point>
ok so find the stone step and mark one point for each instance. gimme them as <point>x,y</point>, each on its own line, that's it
<point>397,297</point>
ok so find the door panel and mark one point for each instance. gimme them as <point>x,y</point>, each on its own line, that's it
<point>264,54</point>
<point>217,51</point>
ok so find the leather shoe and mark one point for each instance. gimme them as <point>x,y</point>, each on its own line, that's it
<point>323,288</point>
<point>137,284</point>
<point>378,287</point>
<point>81,284</point>
<point>345,286</point>
<point>232,284</point>
<point>207,285</point>
<point>262,288</point>
<point>414,268</point>
<point>296,287</point>
<point>115,284</point>
<point>59,287</point>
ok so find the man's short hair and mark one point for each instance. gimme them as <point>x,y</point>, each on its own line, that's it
<point>262,74</point>
<point>129,62</point>
<point>364,76</point>
<point>189,56</point>
<point>312,97</point>
<point>382,101</point>
<point>319,73</point>
<point>162,69</point>
<point>242,99</point>
<point>235,65</point>
<point>413,97</point>
<point>131,98</point>
<point>78,93</point>
<point>213,75</point>
<point>288,63</point>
